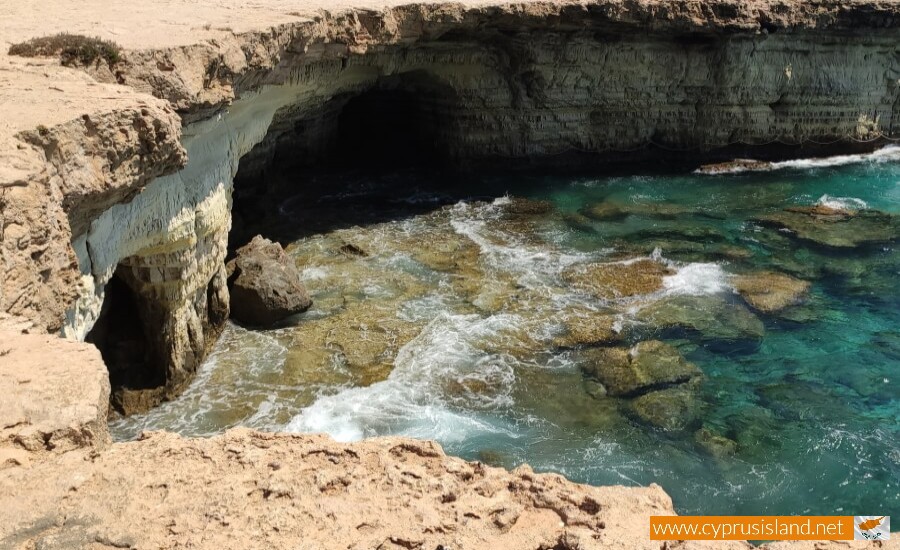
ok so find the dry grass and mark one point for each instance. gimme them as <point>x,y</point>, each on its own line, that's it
<point>72,49</point>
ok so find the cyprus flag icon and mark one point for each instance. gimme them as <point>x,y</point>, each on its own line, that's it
<point>871,527</point>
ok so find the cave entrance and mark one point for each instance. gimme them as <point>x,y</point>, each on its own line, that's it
<point>354,159</point>
<point>388,128</point>
<point>121,336</point>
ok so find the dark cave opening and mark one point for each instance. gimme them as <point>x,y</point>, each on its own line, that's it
<point>383,129</point>
<point>356,159</point>
<point>121,336</point>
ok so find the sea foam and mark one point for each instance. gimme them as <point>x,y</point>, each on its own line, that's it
<point>430,382</point>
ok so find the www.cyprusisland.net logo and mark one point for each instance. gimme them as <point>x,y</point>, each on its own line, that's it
<point>871,527</point>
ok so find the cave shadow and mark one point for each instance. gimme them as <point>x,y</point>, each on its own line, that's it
<point>380,155</point>
<point>121,336</point>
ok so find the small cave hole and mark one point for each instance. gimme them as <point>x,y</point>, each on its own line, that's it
<point>120,335</point>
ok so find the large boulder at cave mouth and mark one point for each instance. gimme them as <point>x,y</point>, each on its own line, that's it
<point>264,284</point>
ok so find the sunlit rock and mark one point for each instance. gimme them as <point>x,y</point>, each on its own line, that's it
<point>614,280</point>
<point>835,227</point>
<point>648,365</point>
<point>768,291</point>
<point>711,317</point>
<point>587,327</point>
<point>734,166</point>
<point>265,285</point>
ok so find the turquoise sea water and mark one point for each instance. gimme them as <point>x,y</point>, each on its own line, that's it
<point>811,400</point>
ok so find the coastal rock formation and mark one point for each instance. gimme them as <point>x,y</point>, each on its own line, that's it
<point>769,291</point>
<point>263,490</point>
<point>55,395</point>
<point>280,491</point>
<point>264,284</point>
<point>836,227</point>
<point>648,365</point>
<point>104,189</point>
<point>610,281</point>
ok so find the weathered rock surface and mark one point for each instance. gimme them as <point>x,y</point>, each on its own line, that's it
<point>590,328</point>
<point>648,365</point>
<point>610,281</point>
<point>265,284</point>
<point>769,291</point>
<point>834,227</point>
<point>254,490</point>
<point>55,396</point>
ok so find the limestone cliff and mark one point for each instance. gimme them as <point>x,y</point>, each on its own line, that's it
<point>110,195</point>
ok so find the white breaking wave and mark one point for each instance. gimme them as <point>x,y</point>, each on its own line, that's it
<point>693,279</point>
<point>442,369</point>
<point>534,267</point>
<point>697,279</point>
<point>313,273</point>
<point>842,203</point>
<point>890,153</point>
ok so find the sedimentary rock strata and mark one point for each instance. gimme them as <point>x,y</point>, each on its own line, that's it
<point>103,190</point>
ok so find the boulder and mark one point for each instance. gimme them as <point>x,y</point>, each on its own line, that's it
<point>586,327</point>
<point>768,291</point>
<point>734,166</point>
<point>671,410</point>
<point>714,444</point>
<point>648,365</point>
<point>265,285</point>
<point>604,211</point>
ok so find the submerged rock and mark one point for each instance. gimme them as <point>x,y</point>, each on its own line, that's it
<point>714,444</point>
<point>609,281</point>
<point>579,221</point>
<point>604,211</point>
<point>686,249</point>
<point>611,210</point>
<point>648,365</point>
<point>768,291</point>
<point>835,227</point>
<point>712,317</point>
<point>265,285</point>
<point>672,410</point>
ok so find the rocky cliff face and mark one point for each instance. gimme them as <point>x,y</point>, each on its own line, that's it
<point>547,82</point>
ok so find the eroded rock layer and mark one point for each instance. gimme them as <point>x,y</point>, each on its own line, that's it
<point>111,191</point>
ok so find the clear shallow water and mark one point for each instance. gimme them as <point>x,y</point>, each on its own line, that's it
<point>449,328</point>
